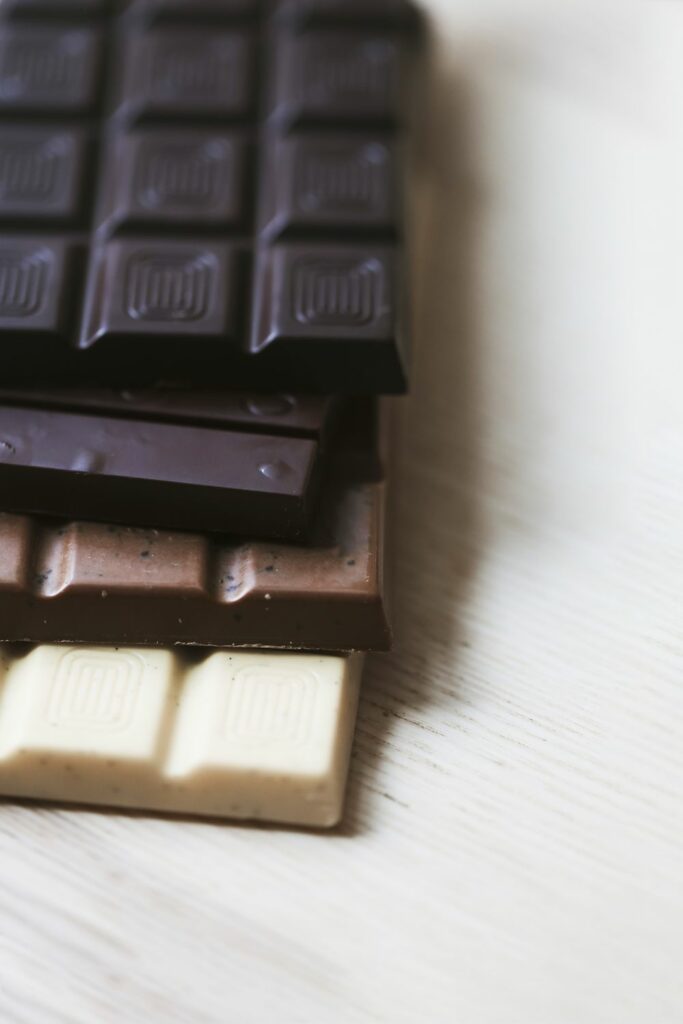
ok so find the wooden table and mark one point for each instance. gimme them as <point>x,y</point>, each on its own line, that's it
<point>512,848</point>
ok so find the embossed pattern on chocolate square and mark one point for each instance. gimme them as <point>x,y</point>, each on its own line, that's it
<point>338,76</point>
<point>41,175</point>
<point>78,701</point>
<point>187,289</point>
<point>161,287</point>
<point>269,707</point>
<point>180,73</point>
<point>48,70</point>
<point>94,691</point>
<point>23,277</point>
<point>323,293</point>
<point>334,291</point>
<point>33,282</point>
<point>342,183</point>
<point>164,180</point>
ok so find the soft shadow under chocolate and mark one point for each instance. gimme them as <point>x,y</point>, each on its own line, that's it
<point>435,529</point>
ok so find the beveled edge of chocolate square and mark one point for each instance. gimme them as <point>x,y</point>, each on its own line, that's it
<point>146,288</point>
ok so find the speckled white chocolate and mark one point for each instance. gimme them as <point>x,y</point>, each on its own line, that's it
<point>238,734</point>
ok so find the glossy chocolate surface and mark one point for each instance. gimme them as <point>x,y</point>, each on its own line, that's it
<point>157,461</point>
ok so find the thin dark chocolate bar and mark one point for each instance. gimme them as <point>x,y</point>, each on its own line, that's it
<point>170,464</point>
<point>207,192</point>
<point>295,415</point>
<point>96,583</point>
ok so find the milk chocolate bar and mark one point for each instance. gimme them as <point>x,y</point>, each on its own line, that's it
<point>206,192</point>
<point>237,735</point>
<point>101,583</point>
<point>167,459</point>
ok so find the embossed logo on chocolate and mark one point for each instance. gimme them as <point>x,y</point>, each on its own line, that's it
<point>29,170</point>
<point>337,181</point>
<point>161,287</point>
<point>263,705</point>
<point>335,292</point>
<point>179,175</point>
<point>23,279</point>
<point>354,73</point>
<point>178,69</point>
<point>95,690</point>
<point>41,65</point>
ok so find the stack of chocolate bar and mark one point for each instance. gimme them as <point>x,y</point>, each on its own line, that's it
<point>202,295</point>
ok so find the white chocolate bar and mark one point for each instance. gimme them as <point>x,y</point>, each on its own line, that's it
<point>239,734</point>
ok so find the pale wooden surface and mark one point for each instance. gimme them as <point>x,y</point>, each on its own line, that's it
<point>512,849</point>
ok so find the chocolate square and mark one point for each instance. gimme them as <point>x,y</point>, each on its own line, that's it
<point>322,183</point>
<point>41,175</point>
<point>322,294</point>
<point>158,180</point>
<point>338,77</point>
<point>48,71</point>
<point>182,73</point>
<point>33,286</point>
<point>164,290</point>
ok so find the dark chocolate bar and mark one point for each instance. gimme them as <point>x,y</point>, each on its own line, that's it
<point>96,583</point>
<point>203,191</point>
<point>298,416</point>
<point>119,465</point>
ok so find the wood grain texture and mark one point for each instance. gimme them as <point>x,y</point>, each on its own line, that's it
<point>513,844</point>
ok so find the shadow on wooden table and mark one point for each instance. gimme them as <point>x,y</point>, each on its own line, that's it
<point>435,527</point>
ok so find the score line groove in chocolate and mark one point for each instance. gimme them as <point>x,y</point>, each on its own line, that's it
<point>222,204</point>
